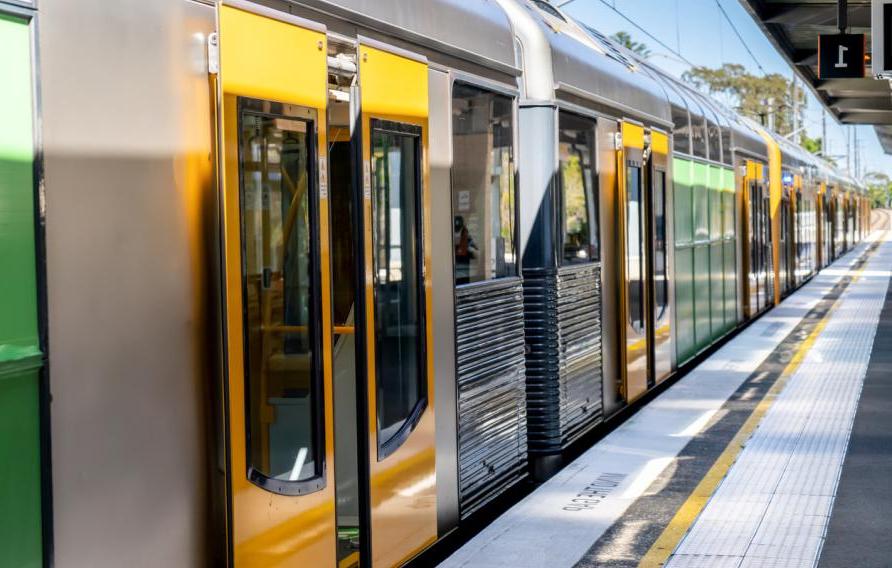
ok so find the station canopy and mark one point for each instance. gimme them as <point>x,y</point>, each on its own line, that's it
<point>794,26</point>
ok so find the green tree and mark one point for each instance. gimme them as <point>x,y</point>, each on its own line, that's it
<point>759,98</point>
<point>813,145</point>
<point>879,188</point>
<point>625,40</point>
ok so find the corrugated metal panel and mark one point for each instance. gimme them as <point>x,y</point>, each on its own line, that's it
<point>492,437</point>
<point>579,324</point>
<point>564,379</point>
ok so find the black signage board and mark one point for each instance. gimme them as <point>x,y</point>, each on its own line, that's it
<point>841,56</point>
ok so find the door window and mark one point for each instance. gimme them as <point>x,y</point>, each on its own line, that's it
<point>635,247</point>
<point>399,299</point>
<point>661,280</point>
<point>279,286</point>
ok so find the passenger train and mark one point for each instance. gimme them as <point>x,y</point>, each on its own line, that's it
<point>312,282</point>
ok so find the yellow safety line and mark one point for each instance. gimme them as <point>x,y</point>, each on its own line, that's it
<point>686,515</point>
<point>349,561</point>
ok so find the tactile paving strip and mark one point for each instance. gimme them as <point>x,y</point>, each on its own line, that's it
<point>773,507</point>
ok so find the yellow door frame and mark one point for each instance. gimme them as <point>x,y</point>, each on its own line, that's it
<point>403,509</point>
<point>276,57</point>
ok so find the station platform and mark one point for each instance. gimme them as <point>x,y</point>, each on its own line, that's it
<point>775,451</point>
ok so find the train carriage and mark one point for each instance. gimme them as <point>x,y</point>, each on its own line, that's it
<point>318,280</point>
<point>603,114</point>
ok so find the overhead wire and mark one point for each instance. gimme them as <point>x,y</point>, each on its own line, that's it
<point>739,36</point>
<point>645,32</point>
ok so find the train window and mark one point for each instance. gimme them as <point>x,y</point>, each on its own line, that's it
<point>755,244</point>
<point>681,136</point>
<point>483,191</point>
<point>399,300</point>
<point>279,279</point>
<point>634,247</point>
<point>661,280</point>
<point>799,231</point>
<point>578,195</point>
<point>726,145</point>
<point>549,9</point>
<point>698,136</point>
<point>715,145</point>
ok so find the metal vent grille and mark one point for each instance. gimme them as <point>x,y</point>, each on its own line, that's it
<point>612,51</point>
<point>492,437</point>
<point>564,380</point>
<point>579,323</point>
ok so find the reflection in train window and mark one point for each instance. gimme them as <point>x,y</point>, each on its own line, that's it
<point>661,280</point>
<point>483,185</point>
<point>682,133</point>
<point>578,202</point>
<point>280,303</point>
<point>714,136</point>
<point>548,9</point>
<point>634,247</point>
<point>399,300</point>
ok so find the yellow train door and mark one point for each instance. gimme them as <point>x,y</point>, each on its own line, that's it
<point>635,255</point>
<point>646,303</point>
<point>396,302</point>
<point>660,312</point>
<point>272,94</point>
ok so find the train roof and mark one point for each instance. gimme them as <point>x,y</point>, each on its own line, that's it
<point>562,59</point>
<point>476,31</point>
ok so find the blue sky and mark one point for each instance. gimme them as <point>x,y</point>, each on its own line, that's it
<point>697,30</point>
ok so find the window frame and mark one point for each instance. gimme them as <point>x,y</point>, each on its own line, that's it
<point>317,378</point>
<point>386,448</point>
<point>487,87</point>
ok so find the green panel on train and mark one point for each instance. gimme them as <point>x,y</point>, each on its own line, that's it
<point>684,258</point>
<point>716,261</point>
<point>729,223</point>
<point>701,276</point>
<point>20,356</point>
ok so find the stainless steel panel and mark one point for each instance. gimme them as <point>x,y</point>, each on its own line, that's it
<point>440,153</point>
<point>476,30</point>
<point>579,349</point>
<point>563,334</point>
<point>491,390</point>
<point>536,171</point>
<point>582,69</point>
<point>130,249</point>
<point>744,137</point>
